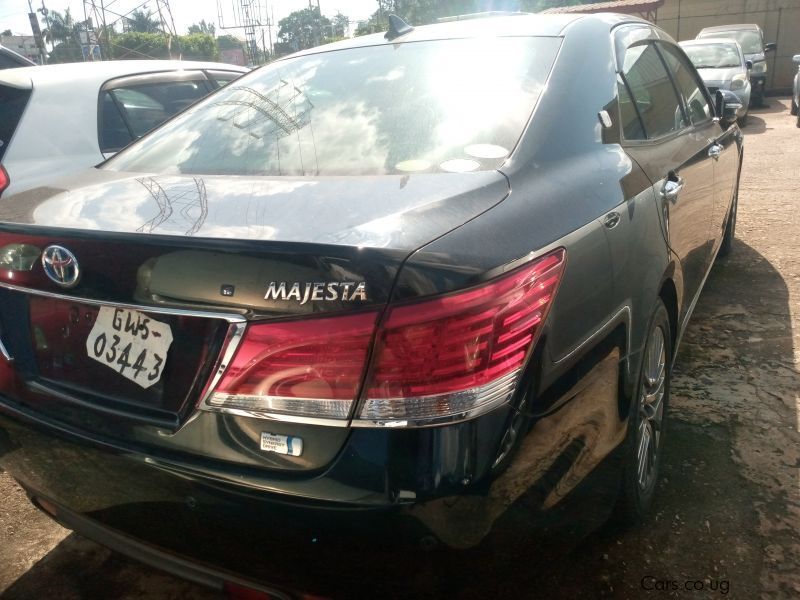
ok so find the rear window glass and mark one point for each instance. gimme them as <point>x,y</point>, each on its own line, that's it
<point>438,106</point>
<point>12,104</point>
<point>147,106</point>
<point>749,40</point>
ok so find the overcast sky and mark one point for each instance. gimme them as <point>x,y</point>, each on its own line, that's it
<point>14,13</point>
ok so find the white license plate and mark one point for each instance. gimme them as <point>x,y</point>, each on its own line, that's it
<point>131,343</point>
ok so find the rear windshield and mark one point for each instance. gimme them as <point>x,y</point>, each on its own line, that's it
<point>12,103</point>
<point>713,56</point>
<point>749,40</point>
<point>436,106</point>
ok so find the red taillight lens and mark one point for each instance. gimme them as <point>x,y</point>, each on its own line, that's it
<point>461,352</point>
<point>310,368</point>
<point>450,357</point>
<point>4,179</point>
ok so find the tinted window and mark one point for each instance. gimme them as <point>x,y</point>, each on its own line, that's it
<point>114,134</point>
<point>631,124</point>
<point>686,81</point>
<point>652,90</point>
<point>223,78</point>
<point>453,105</point>
<point>12,103</point>
<point>750,41</point>
<point>714,56</point>
<point>147,106</point>
<point>7,63</point>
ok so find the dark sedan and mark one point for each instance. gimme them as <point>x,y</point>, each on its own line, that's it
<point>373,309</point>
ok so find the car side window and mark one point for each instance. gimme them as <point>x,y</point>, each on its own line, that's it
<point>686,81</point>
<point>629,117</point>
<point>654,95</point>
<point>114,133</point>
<point>223,78</point>
<point>146,106</point>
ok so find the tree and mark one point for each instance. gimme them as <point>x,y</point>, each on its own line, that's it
<point>7,32</point>
<point>202,27</point>
<point>304,29</point>
<point>142,22</point>
<point>340,25</point>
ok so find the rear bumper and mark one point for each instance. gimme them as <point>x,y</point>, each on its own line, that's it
<point>205,521</point>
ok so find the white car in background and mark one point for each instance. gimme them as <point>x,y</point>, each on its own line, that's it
<point>722,66</point>
<point>59,119</point>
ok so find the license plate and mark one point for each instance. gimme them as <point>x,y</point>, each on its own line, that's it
<point>131,343</point>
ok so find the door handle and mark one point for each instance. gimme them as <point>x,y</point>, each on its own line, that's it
<point>715,151</point>
<point>672,188</point>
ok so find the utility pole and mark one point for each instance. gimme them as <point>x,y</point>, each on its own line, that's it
<point>37,33</point>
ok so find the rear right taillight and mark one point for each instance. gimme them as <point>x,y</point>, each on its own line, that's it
<point>5,181</point>
<point>460,354</point>
<point>442,359</point>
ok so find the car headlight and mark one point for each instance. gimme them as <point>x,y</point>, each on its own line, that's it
<point>759,67</point>
<point>738,81</point>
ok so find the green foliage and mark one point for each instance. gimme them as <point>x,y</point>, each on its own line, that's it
<point>228,42</point>
<point>304,29</point>
<point>65,53</point>
<point>6,32</point>
<point>142,22</point>
<point>202,27</point>
<point>135,45</point>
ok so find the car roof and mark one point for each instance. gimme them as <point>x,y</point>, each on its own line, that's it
<point>740,26</point>
<point>521,24</point>
<point>706,41</point>
<point>90,73</point>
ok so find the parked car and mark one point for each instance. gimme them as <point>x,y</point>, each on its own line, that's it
<point>12,60</point>
<point>796,89</point>
<point>59,119</point>
<point>722,66</point>
<point>751,38</point>
<point>398,293</point>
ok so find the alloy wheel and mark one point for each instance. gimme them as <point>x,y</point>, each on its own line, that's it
<point>651,408</point>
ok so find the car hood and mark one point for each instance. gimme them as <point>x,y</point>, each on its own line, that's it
<point>397,212</point>
<point>720,75</point>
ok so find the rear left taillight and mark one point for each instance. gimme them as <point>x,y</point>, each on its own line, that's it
<point>5,180</point>
<point>437,360</point>
<point>298,369</point>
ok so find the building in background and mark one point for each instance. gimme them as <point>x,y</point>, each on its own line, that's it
<point>683,20</point>
<point>22,44</point>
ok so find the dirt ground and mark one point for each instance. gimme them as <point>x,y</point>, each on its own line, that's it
<point>727,518</point>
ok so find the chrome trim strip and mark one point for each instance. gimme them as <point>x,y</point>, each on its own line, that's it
<point>233,338</point>
<point>162,310</point>
<point>298,407</point>
<point>267,416</point>
<point>4,353</point>
<point>484,399</point>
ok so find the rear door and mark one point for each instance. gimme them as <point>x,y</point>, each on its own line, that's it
<point>673,152</point>
<point>723,149</point>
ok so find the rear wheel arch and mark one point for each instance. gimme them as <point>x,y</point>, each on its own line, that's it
<point>669,296</point>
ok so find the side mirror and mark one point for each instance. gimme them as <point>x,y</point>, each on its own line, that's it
<point>796,59</point>
<point>727,105</point>
<point>771,47</point>
<point>748,64</point>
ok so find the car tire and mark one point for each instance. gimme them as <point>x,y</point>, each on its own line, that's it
<point>794,107</point>
<point>743,119</point>
<point>798,119</point>
<point>730,229</point>
<point>645,437</point>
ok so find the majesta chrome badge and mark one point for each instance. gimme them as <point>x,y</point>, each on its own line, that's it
<point>345,291</point>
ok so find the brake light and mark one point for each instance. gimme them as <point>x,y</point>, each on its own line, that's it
<point>308,368</point>
<point>5,181</point>
<point>447,358</point>
<point>462,352</point>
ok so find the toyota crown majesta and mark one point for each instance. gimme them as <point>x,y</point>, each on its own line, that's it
<point>367,317</point>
